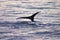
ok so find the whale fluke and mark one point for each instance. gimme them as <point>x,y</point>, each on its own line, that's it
<point>30,17</point>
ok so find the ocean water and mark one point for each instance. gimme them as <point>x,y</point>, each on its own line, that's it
<point>45,27</point>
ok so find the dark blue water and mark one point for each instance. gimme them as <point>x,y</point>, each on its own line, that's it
<point>26,30</point>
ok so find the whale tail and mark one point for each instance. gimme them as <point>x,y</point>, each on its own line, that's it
<point>30,17</point>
